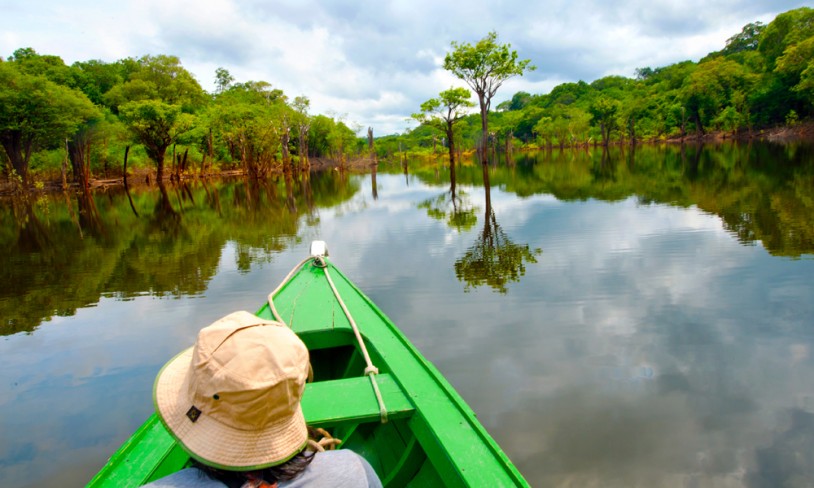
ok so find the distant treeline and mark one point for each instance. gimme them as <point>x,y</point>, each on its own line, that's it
<point>81,119</point>
<point>763,77</point>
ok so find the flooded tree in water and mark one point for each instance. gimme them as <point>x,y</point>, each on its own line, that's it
<point>494,260</point>
<point>156,103</point>
<point>443,113</point>
<point>302,122</point>
<point>35,113</point>
<point>484,67</point>
<point>254,122</point>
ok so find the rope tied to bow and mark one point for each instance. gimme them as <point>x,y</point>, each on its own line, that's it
<point>370,370</point>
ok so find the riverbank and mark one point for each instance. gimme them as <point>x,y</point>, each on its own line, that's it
<point>801,131</point>
<point>53,182</point>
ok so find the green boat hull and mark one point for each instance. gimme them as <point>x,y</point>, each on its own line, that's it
<point>431,437</point>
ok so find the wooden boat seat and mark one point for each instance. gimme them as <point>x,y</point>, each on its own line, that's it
<point>328,403</point>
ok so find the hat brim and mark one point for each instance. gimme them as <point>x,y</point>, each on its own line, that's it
<point>214,443</point>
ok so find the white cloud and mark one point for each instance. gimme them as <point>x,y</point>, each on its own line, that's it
<point>376,63</point>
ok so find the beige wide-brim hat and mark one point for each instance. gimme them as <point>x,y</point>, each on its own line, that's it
<point>233,400</point>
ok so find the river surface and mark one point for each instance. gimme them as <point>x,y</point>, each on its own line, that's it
<point>625,319</point>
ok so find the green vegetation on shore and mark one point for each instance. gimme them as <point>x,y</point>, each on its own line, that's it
<point>762,78</point>
<point>93,119</point>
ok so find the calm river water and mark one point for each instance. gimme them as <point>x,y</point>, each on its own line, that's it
<point>624,319</point>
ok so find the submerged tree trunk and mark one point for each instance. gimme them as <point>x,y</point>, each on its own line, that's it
<point>65,168</point>
<point>285,138</point>
<point>699,129</point>
<point>371,150</point>
<point>484,122</point>
<point>451,139</point>
<point>18,151</point>
<point>79,155</point>
<point>126,187</point>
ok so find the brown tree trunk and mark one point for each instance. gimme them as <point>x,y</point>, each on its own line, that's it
<point>65,167</point>
<point>370,148</point>
<point>184,161</point>
<point>79,155</point>
<point>484,123</point>
<point>211,144</point>
<point>451,138</point>
<point>19,153</point>
<point>285,138</point>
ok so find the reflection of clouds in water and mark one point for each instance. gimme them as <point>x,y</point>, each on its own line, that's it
<point>788,460</point>
<point>611,368</point>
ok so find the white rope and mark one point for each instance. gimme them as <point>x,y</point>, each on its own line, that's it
<point>274,312</point>
<point>370,370</point>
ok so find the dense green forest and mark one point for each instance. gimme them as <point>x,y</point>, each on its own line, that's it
<point>763,77</point>
<point>89,119</point>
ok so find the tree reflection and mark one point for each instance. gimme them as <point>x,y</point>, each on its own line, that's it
<point>452,207</point>
<point>90,221</point>
<point>58,262</point>
<point>604,170</point>
<point>164,217</point>
<point>494,260</point>
<point>32,236</point>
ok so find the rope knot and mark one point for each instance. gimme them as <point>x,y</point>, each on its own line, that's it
<point>371,370</point>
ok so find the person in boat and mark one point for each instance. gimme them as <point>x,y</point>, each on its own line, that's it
<point>232,401</point>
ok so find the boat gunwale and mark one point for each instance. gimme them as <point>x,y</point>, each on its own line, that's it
<point>426,367</point>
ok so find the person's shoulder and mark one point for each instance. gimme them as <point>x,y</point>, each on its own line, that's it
<point>186,478</point>
<point>341,468</point>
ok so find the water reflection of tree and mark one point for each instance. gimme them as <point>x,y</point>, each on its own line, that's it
<point>494,260</point>
<point>32,236</point>
<point>164,218</point>
<point>90,222</point>
<point>453,207</point>
<point>604,170</point>
<point>173,249</point>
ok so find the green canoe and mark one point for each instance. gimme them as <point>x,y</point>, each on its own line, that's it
<point>406,420</point>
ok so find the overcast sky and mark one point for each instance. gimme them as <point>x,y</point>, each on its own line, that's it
<point>373,63</point>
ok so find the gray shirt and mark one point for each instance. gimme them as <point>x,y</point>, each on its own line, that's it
<point>342,468</point>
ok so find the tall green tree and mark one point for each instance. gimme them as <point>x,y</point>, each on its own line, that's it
<point>36,113</point>
<point>302,122</point>
<point>160,77</point>
<point>223,79</point>
<point>443,113</point>
<point>604,114</point>
<point>484,67</point>
<point>48,66</point>
<point>156,125</point>
<point>247,118</point>
<point>786,29</point>
<point>746,40</point>
<point>711,88</point>
<point>95,78</point>
<point>797,64</point>
<point>156,103</point>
